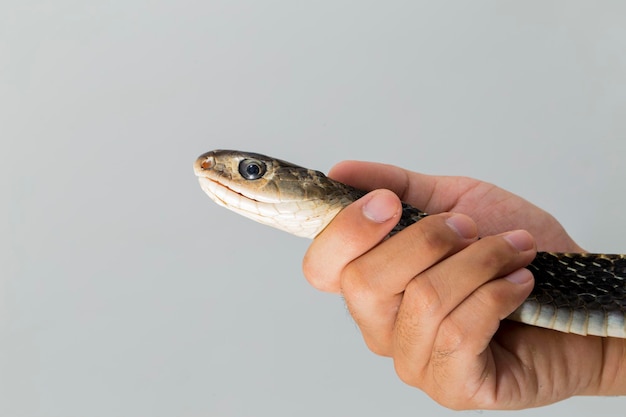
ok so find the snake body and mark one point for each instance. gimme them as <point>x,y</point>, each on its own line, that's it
<point>579,293</point>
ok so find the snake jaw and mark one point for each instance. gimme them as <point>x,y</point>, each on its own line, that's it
<point>289,217</point>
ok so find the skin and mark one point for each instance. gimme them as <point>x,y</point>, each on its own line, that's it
<point>433,297</point>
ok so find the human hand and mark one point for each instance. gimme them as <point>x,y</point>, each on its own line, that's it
<point>432,297</point>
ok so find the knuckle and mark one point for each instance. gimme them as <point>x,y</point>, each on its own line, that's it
<point>432,234</point>
<point>377,347</point>
<point>318,275</point>
<point>308,265</point>
<point>353,282</point>
<point>425,298</point>
<point>407,373</point>
<point>486,297</point>
<point>450,339</point>
<point>498,300</point>
<point>315,275</point>
<point>494,254</point>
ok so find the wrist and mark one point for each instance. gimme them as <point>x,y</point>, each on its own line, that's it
<point>611,379</point>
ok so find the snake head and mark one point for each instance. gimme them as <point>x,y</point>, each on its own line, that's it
<point>271,191</point>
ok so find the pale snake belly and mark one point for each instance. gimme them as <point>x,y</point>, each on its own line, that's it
<point>579,293</point>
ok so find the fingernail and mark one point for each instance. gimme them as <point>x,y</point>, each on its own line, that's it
<point>520,240</point>
<point>521,276</point>
<point>380,208</point>
<point>462,225</point>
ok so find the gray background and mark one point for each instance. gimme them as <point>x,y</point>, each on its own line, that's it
<point>126,292</point>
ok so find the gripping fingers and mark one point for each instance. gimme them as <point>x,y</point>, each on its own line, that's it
<point>449,314</point>
<point>487,306</point>
<point>373,284</point>
<point>348,257</point>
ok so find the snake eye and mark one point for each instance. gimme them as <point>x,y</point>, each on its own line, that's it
<point>251,169</point>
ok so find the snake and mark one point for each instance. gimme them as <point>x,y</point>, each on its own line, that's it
<point>579,293</point>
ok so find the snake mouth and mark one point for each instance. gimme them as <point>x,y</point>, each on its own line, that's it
<point>281,215</point>
<point>222,193</point>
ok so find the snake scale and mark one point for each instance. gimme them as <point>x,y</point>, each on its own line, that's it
<point>579,293</point>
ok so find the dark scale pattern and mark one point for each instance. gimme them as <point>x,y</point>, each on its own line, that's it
<point>410,215</point>
<point>580,281</point>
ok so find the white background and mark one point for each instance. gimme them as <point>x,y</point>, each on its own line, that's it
<point>124,291</point>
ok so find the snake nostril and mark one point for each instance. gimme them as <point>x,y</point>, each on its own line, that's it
<point>208,163</point>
